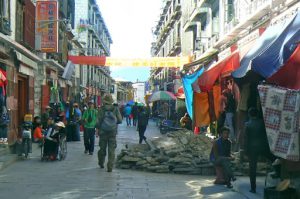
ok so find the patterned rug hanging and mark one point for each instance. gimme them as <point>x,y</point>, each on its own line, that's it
<point>281,109</point>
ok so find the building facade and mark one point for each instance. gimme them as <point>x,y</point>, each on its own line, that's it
<point>168,43</point>
<point>139,92</point>
<point>92,33</point>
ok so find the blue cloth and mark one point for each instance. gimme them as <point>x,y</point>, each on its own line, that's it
<point>280,50</point>
<point>272,49</point>
<point>187,82</point>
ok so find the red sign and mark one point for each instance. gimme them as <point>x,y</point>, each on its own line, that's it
<point>47,26</point>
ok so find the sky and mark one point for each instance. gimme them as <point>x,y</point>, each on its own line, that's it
<point>130,24</point>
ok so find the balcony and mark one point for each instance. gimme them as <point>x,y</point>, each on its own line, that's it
<point>256,10</point>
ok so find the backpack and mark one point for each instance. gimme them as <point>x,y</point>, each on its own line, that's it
<point>109,122</point>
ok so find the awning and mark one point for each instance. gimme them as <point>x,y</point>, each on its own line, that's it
<point>272,49</point>
<point>280,50</point>
<point>203,59</point>
<point>260,45</point>
<point>209,77</point>
<point>288,76</point>
<point>29,62</point>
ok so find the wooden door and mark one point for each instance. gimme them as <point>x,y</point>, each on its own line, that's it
<point>22,98</point>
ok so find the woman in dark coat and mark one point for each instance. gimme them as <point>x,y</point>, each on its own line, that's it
<point>143,117</point>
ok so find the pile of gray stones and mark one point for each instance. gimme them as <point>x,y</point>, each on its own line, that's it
<point>179,152</point>
<point>176,152</point>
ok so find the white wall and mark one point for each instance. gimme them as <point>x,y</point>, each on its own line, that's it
<point>139,92</point>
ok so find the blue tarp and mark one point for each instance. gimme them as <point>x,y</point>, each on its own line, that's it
<point>272,49</point>
<point>187,82</point>
<point>280,50</point>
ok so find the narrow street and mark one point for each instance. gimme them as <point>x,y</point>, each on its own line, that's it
<point>80,177</point>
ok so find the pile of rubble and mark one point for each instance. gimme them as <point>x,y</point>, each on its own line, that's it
<point>178,152</point>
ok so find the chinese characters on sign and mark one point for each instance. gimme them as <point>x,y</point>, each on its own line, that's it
<point>47,25</point>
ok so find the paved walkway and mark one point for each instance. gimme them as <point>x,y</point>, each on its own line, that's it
<point>80,177</point>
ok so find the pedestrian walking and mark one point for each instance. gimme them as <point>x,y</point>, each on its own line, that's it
<point>143,117</point>
<point>109,117</point>
<point>221,155</point>
<point>134,113</point>
<point>256,144</point>
<point>73,116</point>
<point>230,107</point>
<point>89,119</point>
<point>127,114</point>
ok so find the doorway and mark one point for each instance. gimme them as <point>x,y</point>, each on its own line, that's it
<point>22,96</point>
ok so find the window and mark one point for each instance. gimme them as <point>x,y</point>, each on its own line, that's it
<point>5,16</point>
<point>19,20</point>
<point>4,6</point>
<point>230,10</point>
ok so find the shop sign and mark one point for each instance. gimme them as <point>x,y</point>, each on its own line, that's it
<point>47,26</point>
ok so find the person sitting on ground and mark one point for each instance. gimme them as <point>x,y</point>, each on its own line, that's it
<point>221,155</point>
<point>38,133</point>
<point>186,121</point>
<point>52,140</point>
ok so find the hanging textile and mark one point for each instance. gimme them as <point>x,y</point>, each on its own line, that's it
<point>187,82</point>
<point>207,106</point>
<point>54,95</point>
<point>210,76</point>
<point>281,115</point>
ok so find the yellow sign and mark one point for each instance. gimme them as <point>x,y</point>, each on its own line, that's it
<point>166,62</point>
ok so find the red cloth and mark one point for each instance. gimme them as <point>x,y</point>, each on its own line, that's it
<point>88,60</point>
<point>38,133</point>
<point>209,77</point>
<point>288,76</point>
<point>3,81</point>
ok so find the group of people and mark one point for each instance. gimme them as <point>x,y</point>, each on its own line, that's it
<point>139,115</point>
<point>102,121</point>
<point>256,145</point>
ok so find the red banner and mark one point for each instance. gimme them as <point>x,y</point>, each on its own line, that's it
<point>88,60</point>
<point>47,25</point>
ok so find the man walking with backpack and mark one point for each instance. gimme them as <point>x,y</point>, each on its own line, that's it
<point>109,117</point>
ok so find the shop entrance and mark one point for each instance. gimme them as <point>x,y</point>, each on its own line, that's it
<point>22,98</point>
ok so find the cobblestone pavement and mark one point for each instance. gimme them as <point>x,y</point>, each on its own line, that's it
<point>80,177</point>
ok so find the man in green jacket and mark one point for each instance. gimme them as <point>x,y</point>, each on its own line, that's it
<point>109,117</point>
<point>90,119</point>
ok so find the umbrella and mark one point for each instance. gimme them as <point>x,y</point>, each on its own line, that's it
<point>140,104</point>
<point>131,102</point>
<point>161,95</point>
